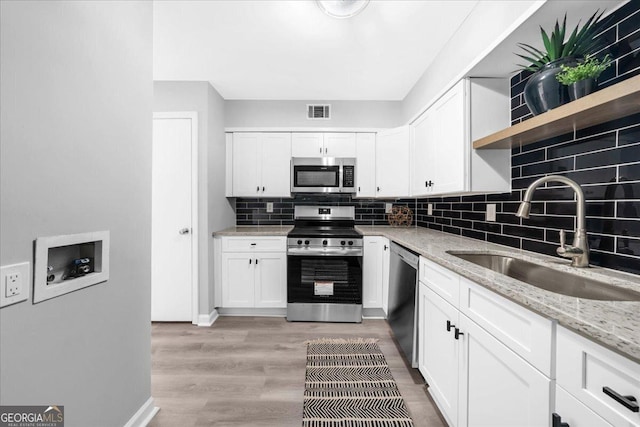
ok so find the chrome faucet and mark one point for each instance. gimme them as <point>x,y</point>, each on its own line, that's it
<point>579,250</point>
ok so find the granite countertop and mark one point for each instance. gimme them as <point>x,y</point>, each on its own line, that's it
<point>614,324</point>
<point>255,230</point>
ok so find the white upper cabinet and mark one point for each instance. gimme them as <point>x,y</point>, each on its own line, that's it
<point>392,163</point>
<point>366,164</point>
<point>335,144</point>
<point>261,164</point>
<point>442,160</point>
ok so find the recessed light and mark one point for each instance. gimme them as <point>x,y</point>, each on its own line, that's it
<point>342,8</point>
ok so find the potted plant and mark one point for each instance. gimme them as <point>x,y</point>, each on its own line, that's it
<point>542,91</point>
<point>581,78</point>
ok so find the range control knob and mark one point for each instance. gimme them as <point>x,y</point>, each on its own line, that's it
<point>350,242</point>
<point>324,243</point>
<point>342,242</point>
<point>306,242</point>
<point>299,242</point>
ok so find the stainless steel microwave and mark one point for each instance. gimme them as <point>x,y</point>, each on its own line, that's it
<point>323,175</point>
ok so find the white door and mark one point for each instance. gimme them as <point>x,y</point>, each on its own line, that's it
<point>271,280</point>
<point>339,144</point>
<point>171,219</point>
<point>392,163</point>
<point>439,351</point>
<point>366,164</point>
<point>246,173</point>
<point>276,165</point>
<point>307,144</point>
<point>498,387</point>
<point>238,278</point>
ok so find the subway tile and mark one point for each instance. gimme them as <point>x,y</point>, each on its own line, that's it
<point>503,240</point>
<point>600,243</point>
<point>620,78</point>
<point>443,221</point>
<point>474,234</point>
<point>528,232</point>
<point>622,122</point>
<point>490,227</point>
<point>480,207</point>
<point>617,262</point>
<point>523,183</point>
<point>629,135</point>
<point>629,210</point>
<point>602,209</point>
<point>507,218</point>
<point>433,226</point>
<point>622,190</point>
<point>514,80</point>
<point>591,176</point>
<point>625,154</point>
<point>629,25</point>
<point>614,226</point>
<point>628,246</point>
<point>451,199</point>
<point>549,221</point>
<point>540,247</point>
<point>548,142</point>
<point>625,11</point>
<point>516,172</point>
<point>553,236</point>
<point>503,197</point>
<point>551,166</point>
<point>461,223</point>
<point>518,88</point>
<point>473,216</point>
<point>520,112</point>
<point>462,206</point>
<point>516,101</point>
<point>452,230</point>
<point>598,142</point>
<point>528,157</point>
<point>474,198</point>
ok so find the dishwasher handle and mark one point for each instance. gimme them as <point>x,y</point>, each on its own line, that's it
<point>407,256</point>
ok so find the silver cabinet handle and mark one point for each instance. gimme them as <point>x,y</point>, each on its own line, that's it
<point>184,231</point>
<point>263,189</point>
<point>320,150</point>
<point>258,188</point>
<point>326,150</point>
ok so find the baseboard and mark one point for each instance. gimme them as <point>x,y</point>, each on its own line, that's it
<point>373,313</point>
<point>208,319</point>
<point>258,312</point>
<point>144,415</point>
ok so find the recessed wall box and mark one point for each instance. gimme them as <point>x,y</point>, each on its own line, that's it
<point>67,263</point>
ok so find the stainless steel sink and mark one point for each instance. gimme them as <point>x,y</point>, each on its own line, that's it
<point>548,278</point>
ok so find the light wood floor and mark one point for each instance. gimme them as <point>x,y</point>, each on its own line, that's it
<point>249,371</point>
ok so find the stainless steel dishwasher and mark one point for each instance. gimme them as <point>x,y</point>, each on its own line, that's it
<point>402,315</point>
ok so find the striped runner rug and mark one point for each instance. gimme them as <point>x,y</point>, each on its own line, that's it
<point>349,384</point>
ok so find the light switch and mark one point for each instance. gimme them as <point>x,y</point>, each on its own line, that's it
<point>388,207</point>
<point>270,207</point>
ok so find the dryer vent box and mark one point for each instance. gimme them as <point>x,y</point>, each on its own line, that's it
<point>68,263</point>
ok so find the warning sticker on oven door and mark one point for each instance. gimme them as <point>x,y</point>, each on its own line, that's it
<point>323,288</point>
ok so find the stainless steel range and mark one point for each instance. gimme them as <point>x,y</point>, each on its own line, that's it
<point>324,265</point>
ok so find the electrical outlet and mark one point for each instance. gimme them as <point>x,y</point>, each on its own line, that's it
<point>269,207</point>
<point>388,207</point>
<point>15,280</point>
<point>491,212</point>
<point>430,209</point>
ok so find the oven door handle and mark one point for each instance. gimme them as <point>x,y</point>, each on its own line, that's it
<point>325,252</point>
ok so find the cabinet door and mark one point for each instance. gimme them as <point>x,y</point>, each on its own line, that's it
<point>246,167</point>
<point>439,351</point>
<point>271,280</point>
<point>498,388</point>
<point>573,412</point>
<point>449,146</point>
<point>424,154</point>
<point>238,279</point>
<point>307,144</point>
<point>392,163</point>
<point>276,165</point>
<point>372,272</point>
<point>339,144</point>
<point>366,164</point>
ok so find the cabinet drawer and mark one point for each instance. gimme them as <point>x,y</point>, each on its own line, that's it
<point>442,281</point>
<point>574,413</point>
<point>584,368</point>
<point>526,333</point>
<point>254,244</point>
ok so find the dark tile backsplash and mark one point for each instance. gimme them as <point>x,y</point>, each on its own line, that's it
<point>603,159</point>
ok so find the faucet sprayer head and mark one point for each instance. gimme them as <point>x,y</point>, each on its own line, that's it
<point>523,210</point>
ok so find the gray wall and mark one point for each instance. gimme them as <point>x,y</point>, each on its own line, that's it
<point>76,102</point>
<point>349,114</point>
<point>214,210</point>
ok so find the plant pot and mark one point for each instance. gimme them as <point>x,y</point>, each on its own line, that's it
<point>581,88</point>
<point>543,92</point>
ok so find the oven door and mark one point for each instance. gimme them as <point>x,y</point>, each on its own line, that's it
<point>318,279</point>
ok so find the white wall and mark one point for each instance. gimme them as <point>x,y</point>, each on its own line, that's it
<point>465,48</point>
<point>344,114</point>
<point>76,105</point>
<point>215,212</point>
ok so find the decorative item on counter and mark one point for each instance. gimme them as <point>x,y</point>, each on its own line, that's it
<point>543,91</point>
<point>581,79</point>
<point>400,216</point>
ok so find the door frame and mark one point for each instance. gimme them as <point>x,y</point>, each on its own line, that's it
<point>195,282</point>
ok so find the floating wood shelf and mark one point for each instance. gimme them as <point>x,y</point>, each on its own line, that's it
<point>613,102</point>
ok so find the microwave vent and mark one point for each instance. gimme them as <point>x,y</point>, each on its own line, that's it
<point>318,111</point>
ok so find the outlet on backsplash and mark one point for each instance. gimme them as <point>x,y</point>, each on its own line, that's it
<point>491,212</point>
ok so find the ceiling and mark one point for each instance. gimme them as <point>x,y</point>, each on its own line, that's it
<point>291,50</point>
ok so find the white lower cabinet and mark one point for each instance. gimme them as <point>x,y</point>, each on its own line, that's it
<point>475,378</point>
<point>252,278</point>
<point>571,411</point>
<point>375,272</point>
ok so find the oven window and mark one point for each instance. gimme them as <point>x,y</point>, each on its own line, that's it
<point>324,279</point>
<point>316,176</point>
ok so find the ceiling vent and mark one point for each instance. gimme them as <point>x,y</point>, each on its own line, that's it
<point>318,112</point>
